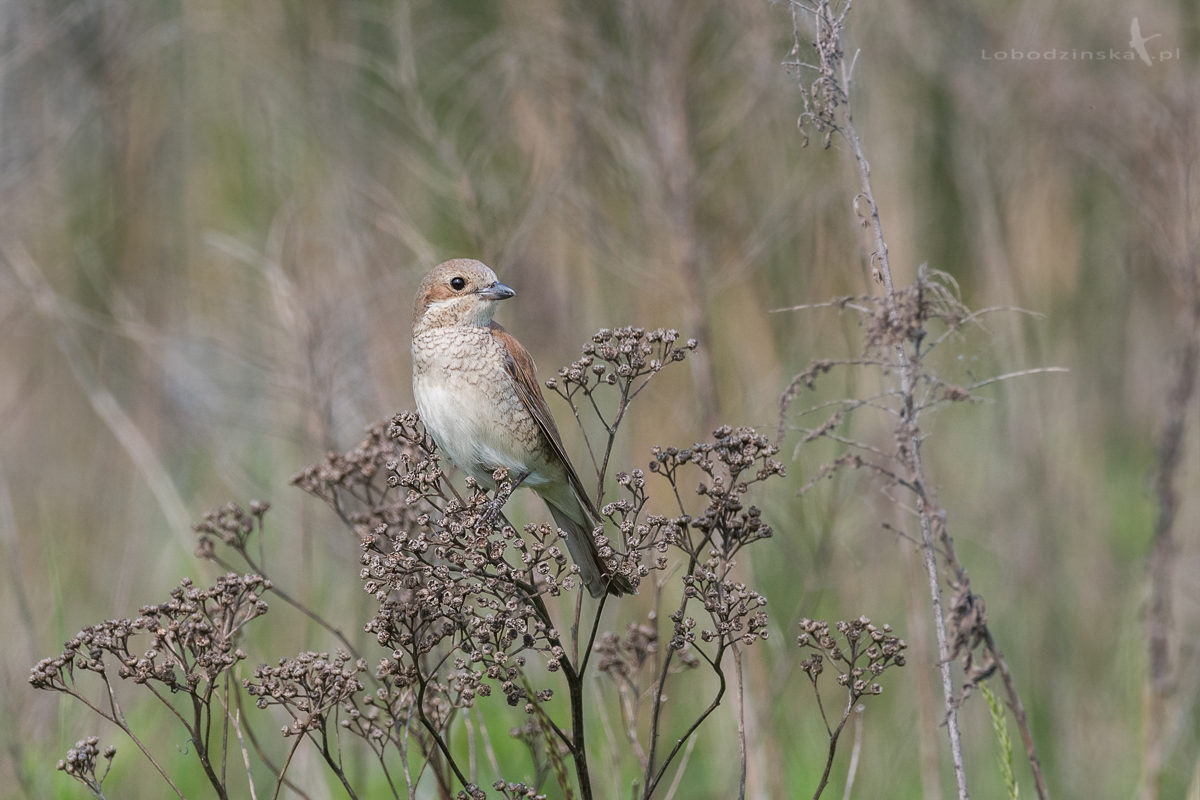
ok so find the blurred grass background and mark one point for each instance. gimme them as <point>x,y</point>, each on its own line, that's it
<point>214,215</point>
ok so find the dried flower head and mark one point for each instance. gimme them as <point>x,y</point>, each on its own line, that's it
<point>192,638</point>
<point>516,791</point>
<point>736,459</point>
<point>231,525</point>
<point>619,357</point>
<point>821,83</point>
<point>80,763</point>
<point>310,687</point>
<point>860,653</point>
<point>378,482</point>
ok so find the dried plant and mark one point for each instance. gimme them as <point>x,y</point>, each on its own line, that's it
<point>465,608</point>
<point>710,540</point>
<point>904,325</point>
<point>313,689</point>
<point>190,647</point>
<point>864,652</point>
<point>80,764</point>
<point>625,359</point>
<point>465,605</point>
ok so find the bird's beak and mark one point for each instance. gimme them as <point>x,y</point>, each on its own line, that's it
<point>497,291</point>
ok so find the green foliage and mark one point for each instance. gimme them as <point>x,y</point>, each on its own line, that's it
<point>1004,756</point>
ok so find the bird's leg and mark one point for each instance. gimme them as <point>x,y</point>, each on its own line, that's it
<point>491,509</point>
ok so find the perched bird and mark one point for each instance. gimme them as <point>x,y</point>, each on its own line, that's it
<point>477,393</point>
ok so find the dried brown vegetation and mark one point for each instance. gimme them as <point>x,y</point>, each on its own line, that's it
<point>466,607</point>
<point>213,218</point>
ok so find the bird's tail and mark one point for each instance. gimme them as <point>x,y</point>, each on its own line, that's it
<point>583,550</point>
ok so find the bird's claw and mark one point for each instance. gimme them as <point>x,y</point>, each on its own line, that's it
<point>489,514</point>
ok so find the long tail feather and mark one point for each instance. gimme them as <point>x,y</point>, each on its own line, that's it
<point>582,548</point>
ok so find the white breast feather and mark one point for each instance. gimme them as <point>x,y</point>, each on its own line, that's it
<point>462,436</point>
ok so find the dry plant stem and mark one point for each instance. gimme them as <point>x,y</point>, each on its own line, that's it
<point>116,717</point>
<point>422,686</point>
<point>548,731</point>
<point>199,730</point>
<point>916,470</point>
<point>574,678</point>
<point>930,515</point>
<point>827,108</point>
<point>834,735</point>
<point>855,752</point>
<point>741,720</point>
<point>262,754</point>
<point>472,753</point>
<point>859,653</point>
<point>488,749</point>
<point>627,395</point>
<point>224,698</point>
<point>1160,679</point>
<point>333,762</point>
<point>700,538</point>
<point>237,727</point>
<point>683,762</point>
<point>1018,709</point>
<point>260,569</point>
<point>199,722</point>
<point>286,763</point>
<point>1001,666</point>
<point>830,753</point>
<point>626,399</point>
<point>408,776</point>
<point>653,776</point>
<point>660,685</point>
<point>578,749</point>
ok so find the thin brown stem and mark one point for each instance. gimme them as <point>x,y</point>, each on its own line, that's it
<point>1160,680</point>
<point>837,73</point>
<point>261,753</point>
<point>652,781</point>
<point>118,719</point>
<point>855,753</point>
<point>1018,709</point>
<point>741,720</point>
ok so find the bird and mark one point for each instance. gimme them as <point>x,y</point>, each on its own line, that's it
<point>477,393</point>
<point>1138,42</point>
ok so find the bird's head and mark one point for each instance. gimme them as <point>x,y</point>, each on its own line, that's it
<point>461,291</point>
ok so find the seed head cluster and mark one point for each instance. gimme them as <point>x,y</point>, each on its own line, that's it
<point>309,687</point>
<point>81,761</point>
<point>191,639</point>
<point>463,605</point>
<point>860,653</point>
<point>231,525</point>
<point>621,357</point>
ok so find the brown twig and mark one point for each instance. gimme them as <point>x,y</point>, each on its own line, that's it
<point>1160,682</point>
<point>827,109</point>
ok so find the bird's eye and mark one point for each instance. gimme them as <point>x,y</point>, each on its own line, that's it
<point>457,284</point>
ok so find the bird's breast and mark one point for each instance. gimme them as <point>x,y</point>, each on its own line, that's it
<point>470,406</point>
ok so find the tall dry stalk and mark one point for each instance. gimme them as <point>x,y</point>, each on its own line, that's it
<point>899,339</point>
<point>1178,248</point>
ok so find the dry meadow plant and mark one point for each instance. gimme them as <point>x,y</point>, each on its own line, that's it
<point>468,610</point>
<point>183,652</point>
<point>80,764</point>
<point>859,658</point>
<point>903,326</point>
